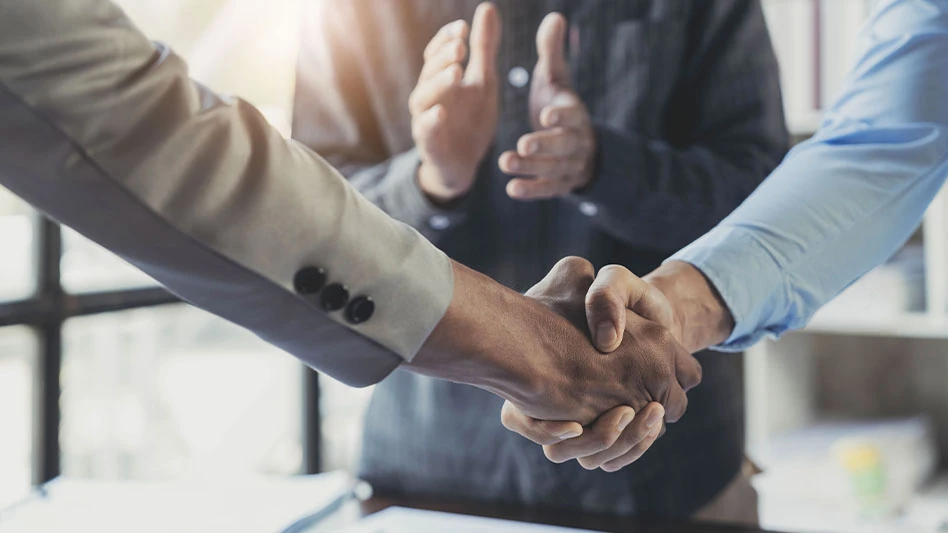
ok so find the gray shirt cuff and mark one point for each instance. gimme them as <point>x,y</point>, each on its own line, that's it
<point>401,196</point>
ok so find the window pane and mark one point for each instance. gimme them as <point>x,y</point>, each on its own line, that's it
<point>232,47</point>
<point>17,357</point>
<point>86,267</point>
<point>343,415</point>
<point>163,392</point>
<point>16,240</point>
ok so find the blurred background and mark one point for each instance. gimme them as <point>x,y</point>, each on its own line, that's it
<point>104,375</point>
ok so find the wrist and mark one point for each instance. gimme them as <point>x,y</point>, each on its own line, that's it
<point>699,309</point>
<point>440,189</point>
<point>478,341</point>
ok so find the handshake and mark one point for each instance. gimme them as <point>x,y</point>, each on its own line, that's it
<point>602,402</point>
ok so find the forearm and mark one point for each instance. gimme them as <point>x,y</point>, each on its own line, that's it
<point>105,132</point>
<point>845,200</point>
<point>474,341</point>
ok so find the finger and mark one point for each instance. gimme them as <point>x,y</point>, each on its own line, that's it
<point>606,304</point>
<point>600,436</point>
<point>557,142</point>
<point>636,452</point>
<point>535,188</point>
<point>688,370</point>
<point>566,111</point>
<point>485,41</point>
<point>434,90</point>
<point>569,277</point>
<point>540,165</point>
<point>647,420</point>
<point>452,52</point>
<point>675,404</point>
<point>425,125</point>
<point>541,432</point>
<point>617,289</point>
<point>450,31</point>
<point>551,44</point>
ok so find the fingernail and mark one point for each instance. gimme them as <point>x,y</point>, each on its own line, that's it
<point>605,334</point>
<point>456,28</point>
<point>654,433</point>
<point>531,148</point>
<point>569,435</point>
<point>654,418</point>
<point>625,421</point>
<point>554,118</point>
<point>514,164</point>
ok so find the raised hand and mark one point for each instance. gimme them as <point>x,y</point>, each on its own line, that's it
<point>559,156</point>
<point>620,436</point>
<point>454,110</point>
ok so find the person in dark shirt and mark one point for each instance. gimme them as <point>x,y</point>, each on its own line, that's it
<point>617,131</point>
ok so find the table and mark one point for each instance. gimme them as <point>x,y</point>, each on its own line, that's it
<point>552,517</point>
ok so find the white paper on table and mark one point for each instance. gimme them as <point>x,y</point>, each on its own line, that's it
<point>402,520</point>
<point>256,504</point>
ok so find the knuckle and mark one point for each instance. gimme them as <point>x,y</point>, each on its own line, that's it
<point>578,266</point>
<point>662,339</point>
<point>602,295</point>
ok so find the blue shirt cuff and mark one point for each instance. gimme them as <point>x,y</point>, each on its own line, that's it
<point>749,280</point>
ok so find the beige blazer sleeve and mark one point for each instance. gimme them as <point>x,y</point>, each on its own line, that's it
<point>104,131</point>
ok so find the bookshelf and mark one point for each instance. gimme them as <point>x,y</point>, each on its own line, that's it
<point>857,365</point>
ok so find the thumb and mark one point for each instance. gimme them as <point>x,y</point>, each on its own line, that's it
<point>615,291</point>
<point>551,56</point>
<point>485,42</point>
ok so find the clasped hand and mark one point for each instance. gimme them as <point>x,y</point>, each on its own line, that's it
<point>643,357</point>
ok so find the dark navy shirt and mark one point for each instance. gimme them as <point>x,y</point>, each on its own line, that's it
<point>686,101</point>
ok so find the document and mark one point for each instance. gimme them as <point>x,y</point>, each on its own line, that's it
<point>401,520</point>
<point>251,505</point>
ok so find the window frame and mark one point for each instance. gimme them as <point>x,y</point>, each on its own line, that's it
<point>48,309</point>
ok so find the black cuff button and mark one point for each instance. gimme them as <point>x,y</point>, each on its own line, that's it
<point>309,280</point>
<point>334,297</point>
<point>360,309</point>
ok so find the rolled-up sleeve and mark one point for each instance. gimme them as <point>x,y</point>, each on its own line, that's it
<point>847,199</point>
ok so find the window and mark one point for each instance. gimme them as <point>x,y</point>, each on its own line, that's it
<point>86,267</point>
<point>157,393</point>
<point>105,374</point>
<point>17,364</point>
<point>16,234</point>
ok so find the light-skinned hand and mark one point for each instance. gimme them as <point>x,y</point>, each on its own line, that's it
<point>559,156</point>
<point>454,109</point>
<point>611,442</point>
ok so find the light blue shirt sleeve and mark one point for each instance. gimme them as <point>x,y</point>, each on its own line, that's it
<point>847,199</point>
